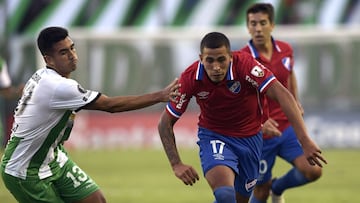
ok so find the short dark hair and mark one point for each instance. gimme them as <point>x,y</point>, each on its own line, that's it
<point>49,36</point>
<point>266,8</point>
<point>214,40</point>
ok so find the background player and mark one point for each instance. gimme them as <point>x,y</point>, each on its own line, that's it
<point>7,91</point>
<point>229,88</point>
<point>35,166</point>
<point>278,57</point>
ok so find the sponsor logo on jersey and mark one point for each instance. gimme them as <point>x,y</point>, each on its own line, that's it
<point>257,72</point>
<point>234,86</point>
<point>203,95</point>
<point>181,101</point>
<point>250,184</point>
<point>252,81</point>
<point>36,77</point>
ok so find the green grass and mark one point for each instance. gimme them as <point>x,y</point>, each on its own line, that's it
<point>145,176</point>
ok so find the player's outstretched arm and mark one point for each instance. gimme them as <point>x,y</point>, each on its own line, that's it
<point>184,172</point>
<point>289,106</point>
<point>133,102</point>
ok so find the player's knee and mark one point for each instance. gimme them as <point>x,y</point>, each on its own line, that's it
<point>102,199</point>
<point>314,174</point>
<point>97,197</point>
<point>225,194</point>
<point>311,173</point>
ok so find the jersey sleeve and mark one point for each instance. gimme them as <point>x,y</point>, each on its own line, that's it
<point>176,109</point>
<point>70,95</point>
<point>257,74</point>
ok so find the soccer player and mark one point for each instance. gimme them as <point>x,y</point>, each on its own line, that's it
<point>6,89</point>
<point>229,87</point>
<point>35,166</point>
<point>279,135</point>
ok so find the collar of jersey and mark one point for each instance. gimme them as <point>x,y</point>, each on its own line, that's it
<point>200,72</point>
<point>255,53</point>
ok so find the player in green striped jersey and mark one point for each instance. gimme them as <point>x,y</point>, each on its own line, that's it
<point>35,166</point>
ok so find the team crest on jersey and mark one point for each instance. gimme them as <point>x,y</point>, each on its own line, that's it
<point>234,86</point>
<point>257,72</point>
<point>81,89</point>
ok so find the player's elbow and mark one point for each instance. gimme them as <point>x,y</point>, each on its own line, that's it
<point>110,107</point>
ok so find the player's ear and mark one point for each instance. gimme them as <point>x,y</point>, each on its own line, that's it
<point>48,60</point>
<point>272,25</point>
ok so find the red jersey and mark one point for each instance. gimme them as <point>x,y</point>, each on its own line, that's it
<point>232,107</point>
<point>281,64</point>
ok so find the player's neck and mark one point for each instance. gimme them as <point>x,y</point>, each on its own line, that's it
<point>265,50</point>
<point>63,75</point>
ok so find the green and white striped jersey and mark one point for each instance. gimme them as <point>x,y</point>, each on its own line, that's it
<point>4,75</point>
<point>43,120</point>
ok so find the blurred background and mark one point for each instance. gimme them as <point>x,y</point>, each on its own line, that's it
<point>137,46</point>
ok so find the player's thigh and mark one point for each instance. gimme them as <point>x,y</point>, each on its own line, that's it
<point>215,151</point>
<point>32,190</point>
<point>220,175</point>
<point>241,155</point>
<point>75,185</point>
<point>96,197</point>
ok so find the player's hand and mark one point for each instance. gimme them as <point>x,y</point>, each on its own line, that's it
<point>312,153</point>
<point>171,91</point>
<point>186,173</point>
<point>270,127</point>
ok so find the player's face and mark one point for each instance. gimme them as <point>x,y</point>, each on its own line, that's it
<point>63,57</point>
<point>216,62</point>
<point>260,28</point>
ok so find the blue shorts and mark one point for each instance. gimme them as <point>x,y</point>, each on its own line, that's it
<point>242,155</point>
<point>285,146</point>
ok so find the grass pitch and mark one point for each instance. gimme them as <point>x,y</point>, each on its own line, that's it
<point>133,176</point>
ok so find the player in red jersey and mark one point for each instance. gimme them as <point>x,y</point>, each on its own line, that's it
<point>278,57</point>
<point>230,88</point>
